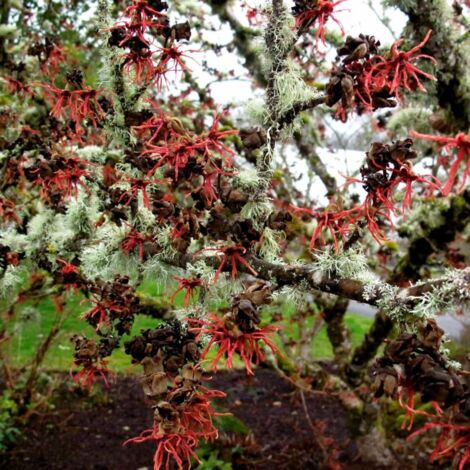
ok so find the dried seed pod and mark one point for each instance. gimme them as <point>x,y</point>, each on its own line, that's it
<point>181,31</point>
<point>253,138</point>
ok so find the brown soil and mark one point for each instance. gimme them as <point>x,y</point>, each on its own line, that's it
<point>88,434</point>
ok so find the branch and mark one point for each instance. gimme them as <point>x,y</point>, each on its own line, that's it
<point>241,40</point>
<point>338,333</point>
<point>289,116</point>
<point>399,301</point>
<point>306,145</point>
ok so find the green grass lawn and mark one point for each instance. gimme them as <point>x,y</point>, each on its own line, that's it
<point>31,326</point>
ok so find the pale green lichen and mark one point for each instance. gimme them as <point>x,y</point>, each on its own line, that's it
<point>270,247</point>
<point>283,33</point>
<point>17,242</point>
<point>445,294</point>
<point>247,179</point>
<point>349,264</point>
<point>96,258</point>
<point>451,291</point>
<point>294,296</point>
<point>426,215</point>
<point>10,280</point>
<point>82,213</point>
<point>405,119</point>
<point>256,111</point>
<point>222,291</point>
<point>201,270</point>
<point>164,237</point>
<point>153,269</point>
<point>257,212</point>
<point>144,220</point>
<point>290,88</point>
<point>8,30</point>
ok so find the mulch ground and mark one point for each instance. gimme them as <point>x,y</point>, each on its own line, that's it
<point>88,434</point>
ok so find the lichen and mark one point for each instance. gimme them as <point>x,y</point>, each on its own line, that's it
<point>348,264</point>
<point>290,88</point>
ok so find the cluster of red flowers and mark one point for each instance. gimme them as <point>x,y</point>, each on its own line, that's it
<point>59,177</point>
<point>454,439</point>
<point>138,185</point>
<point>8,211</point>
<point>113,302</point>
<point>461,144</point>
<point>183,412</point>
<point>50,55</point>
<point>134,239</point>
<point>412,364</point>
<point>99,314</point>
<point>88,356</point>
<point>338,224</point>
<point>231,340</point>
<point>142,20</point>
<point>365,80</point>
<point>188,285</point>
<point>176,438</point>
<point>77,105</point>
<point>316,13</point>
<point>232,254</point>
<point>87,376</point>
<point>387,168</point>
<point>397,70</point>
<point>187,156</point>
<point>175,447</point>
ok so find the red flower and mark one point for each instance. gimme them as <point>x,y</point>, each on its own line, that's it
<point>142,63</point>
<point>99,314</point>
<point>338,224</point>
<point>461,143</point>
<point>175,446</point>
<point>71,277</point>
<point>405,175</point>
<point>158,126</point>
<point>138,184</point>
<point>253,15</point>
<point>398,70</point>
<point>453,438</point>
<point>212,141</point>
<point>207,188</point>
<point>171,60</point>
<point>188,284</point>
<point>132,34</point>
<point>67,176</point>
<point>89,106</point>
<point>318,16</point>
<point>7,211</point>
<point>88,374</point>
<point>175,154</point>
<point>132,240</point>
<point>76,105</point>
<point>140,11</point>
<point>198,413</point>
<point>55,56</point>
<point>62,101</point>
<point>230,340</point>
<point>15,86</point>
<point>234,253</point>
